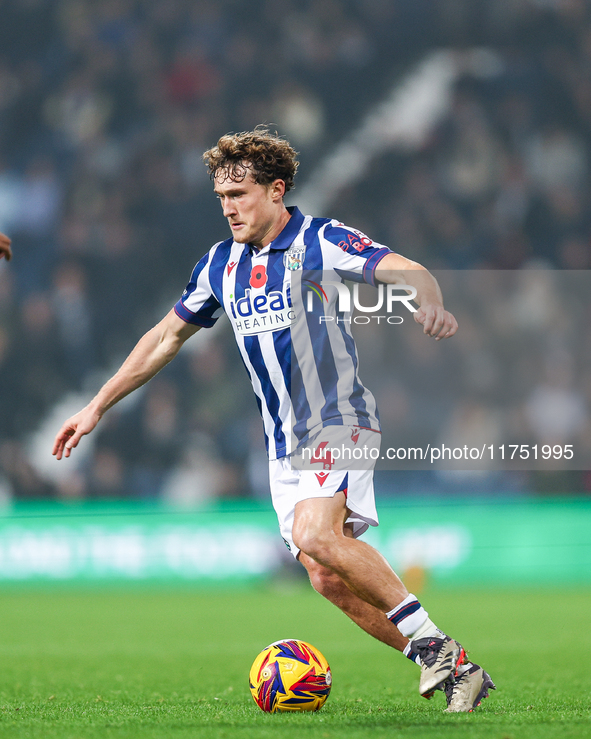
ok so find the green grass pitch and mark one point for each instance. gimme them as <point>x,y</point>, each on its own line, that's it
<point>121,663</point>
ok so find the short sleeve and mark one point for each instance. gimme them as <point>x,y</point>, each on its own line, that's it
<point>198,304</point>
<point>351,253</point>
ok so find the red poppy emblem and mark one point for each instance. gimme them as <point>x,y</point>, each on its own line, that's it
<point>258,276</point>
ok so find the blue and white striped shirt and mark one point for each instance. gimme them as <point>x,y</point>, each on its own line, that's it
<point>303,370</point>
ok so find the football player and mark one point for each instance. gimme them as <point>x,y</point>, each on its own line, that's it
<point>304,374</point>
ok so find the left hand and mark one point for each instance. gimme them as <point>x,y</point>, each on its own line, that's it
<point>5,250</point>
<point>436,321</point>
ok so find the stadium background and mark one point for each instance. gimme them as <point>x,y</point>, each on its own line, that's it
<point>105,110</point>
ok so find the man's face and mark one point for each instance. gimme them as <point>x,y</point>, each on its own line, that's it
<point>251,209</point>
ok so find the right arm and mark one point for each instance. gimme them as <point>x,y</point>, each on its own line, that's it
<point>152,352</point>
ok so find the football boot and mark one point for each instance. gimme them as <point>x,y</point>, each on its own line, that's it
<point>467,689</point>
<point>440,658</point>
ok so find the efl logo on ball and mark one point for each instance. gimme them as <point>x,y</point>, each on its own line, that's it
<point>290,675</point>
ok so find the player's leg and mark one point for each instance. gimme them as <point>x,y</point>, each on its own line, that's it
<point>464,691</point>
<point>368,617</point>
<point>318,533</point>
<point>288,488</point>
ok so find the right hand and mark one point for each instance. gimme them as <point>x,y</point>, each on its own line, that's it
<point>5,250</point>
<point>73,430</point>
<point>436,321</point>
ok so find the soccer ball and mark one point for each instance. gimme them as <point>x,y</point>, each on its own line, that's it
<point>290,675</point>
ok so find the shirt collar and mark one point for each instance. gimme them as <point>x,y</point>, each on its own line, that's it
<point>290,231</point>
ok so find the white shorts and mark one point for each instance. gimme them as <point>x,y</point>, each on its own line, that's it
<point>290,485</point>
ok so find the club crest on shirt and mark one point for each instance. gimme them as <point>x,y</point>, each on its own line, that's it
<point>294,257</point>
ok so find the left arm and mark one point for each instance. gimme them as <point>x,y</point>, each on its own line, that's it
<point>436,321</point>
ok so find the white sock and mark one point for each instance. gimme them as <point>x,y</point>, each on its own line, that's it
<point>412,620</point>
<point>427,629</point>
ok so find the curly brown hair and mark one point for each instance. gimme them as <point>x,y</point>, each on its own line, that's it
<point>268,156</point>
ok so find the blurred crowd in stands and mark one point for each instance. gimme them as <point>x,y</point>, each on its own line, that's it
<point>105,109</point>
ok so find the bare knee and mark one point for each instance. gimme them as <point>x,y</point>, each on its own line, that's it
<point>314,542</point>
<point>318,527</point>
